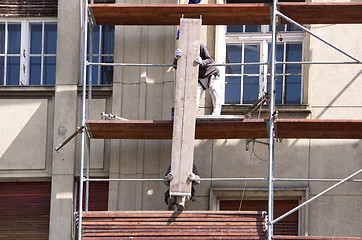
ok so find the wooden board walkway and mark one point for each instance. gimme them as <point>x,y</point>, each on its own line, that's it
<point>228,129</point>
<point>174,225</point>
<point>226,14</point>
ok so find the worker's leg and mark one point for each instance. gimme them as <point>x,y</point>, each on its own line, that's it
<point>200,90</point>
<point>215,92</point>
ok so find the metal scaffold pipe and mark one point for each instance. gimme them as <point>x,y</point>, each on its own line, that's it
<point>316,196</point>
<point>84,82</point>
<point>316,36</point>
<point>271,126</point>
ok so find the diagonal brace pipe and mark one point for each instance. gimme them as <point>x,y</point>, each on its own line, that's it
<point>316,36</point>
<point>315,197</point>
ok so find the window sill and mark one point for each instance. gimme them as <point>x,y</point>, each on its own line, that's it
<point>27,89</point>
<point>284,111</point>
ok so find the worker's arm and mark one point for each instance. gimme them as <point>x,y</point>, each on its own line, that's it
<point>178,54</point>
<point>204,59</point>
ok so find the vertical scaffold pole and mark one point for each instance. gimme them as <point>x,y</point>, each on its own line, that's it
<point>89,111</point>
<point>84,82</point>
<point>271,126</point>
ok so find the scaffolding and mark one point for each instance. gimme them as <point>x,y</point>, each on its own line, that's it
<point>271,128</point>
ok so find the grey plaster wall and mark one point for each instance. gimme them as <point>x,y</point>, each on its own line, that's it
<point>147,93</point>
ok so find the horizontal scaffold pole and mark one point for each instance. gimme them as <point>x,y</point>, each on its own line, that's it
<point>218,179</point>
<point>213,64</point>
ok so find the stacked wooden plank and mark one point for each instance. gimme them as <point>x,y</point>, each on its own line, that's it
<point>228,129</point>
<point>314,238</point>
<point>174,225</point>
<point>226,14</point>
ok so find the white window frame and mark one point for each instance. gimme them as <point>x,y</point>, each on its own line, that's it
<point>264,38</point>
<point>25,48</point>
<point>301,194</point>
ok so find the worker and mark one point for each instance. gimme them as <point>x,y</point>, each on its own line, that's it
<point>172,202</point>
<point>209,77</point>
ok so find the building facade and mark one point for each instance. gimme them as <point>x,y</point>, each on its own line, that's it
<point>41,105</point>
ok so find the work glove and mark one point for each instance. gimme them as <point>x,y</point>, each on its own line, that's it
<point>195,179</point>
<point>167,179</point>
<point>178,53</point>
<point>198,60</point>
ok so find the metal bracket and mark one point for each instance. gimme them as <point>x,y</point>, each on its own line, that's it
<point>277,19</point>
<point>91,17</point>
<point>110,116</point>
<point>179,194</point>
<point>258,103</point>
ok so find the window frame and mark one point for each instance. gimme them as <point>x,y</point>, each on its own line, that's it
<point>264,38</point>
<point>25,45</point>
<point>99,56</point>
<point>292,193</point>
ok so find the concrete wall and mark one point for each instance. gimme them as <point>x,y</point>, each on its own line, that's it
<point>334,93</point>
<point>47,116</point>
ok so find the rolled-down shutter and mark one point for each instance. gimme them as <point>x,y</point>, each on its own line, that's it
<point>24,210</point>
<point>287,226</point>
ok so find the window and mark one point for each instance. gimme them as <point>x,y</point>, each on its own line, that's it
<point>103,52</point>
<point>256,199</point>
<point>287,226</point>
<point>251,45</point>
<point>27,52</point>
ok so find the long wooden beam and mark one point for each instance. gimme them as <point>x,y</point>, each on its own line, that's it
<point>228,129</point>
<point>226,14</point>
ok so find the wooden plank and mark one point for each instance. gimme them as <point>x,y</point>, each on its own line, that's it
<point>226,14</point>
<point>198,214</point>
<point>229,129</point>
<point>319,128</point>
<point>174,225</point>
<point>182,153</point>
<point>280,237</point>
<point>162,129</point>
<point>323,12</point>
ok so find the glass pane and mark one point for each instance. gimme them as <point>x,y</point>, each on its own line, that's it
<point>293,88</point>
<point>252,28</point>
<point>279,58</point>
<point>252,55</point>
<point>108,40</point>
<point>13,71</point>
<point>95,40</point>
<point>2,38</point>
<point>294,54</point>
<point>250,90</point>
<point>35,69</point>
<point>233,55</point>
<point>49,71</point>
<point>94,74</point>
<point>278,90</point>
<point>232,90</point>
<point>234,28</point>
<point>50,38</point>
<point>293,28</point>
<point>14,38</point>
<point>2,71</point>
<point>280,28</point>
<point>36,38</point>
<point>107,71</point>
